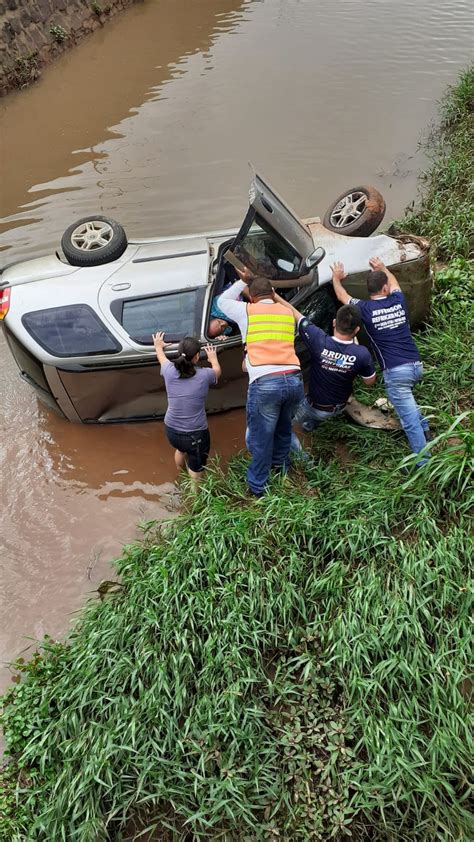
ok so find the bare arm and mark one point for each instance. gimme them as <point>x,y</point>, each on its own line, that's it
<point>378,266</point>
<point>211,352</point>
<point>369,381</point>
<point>338,274</point>
<point>297,315</point>
<point>160,345</point>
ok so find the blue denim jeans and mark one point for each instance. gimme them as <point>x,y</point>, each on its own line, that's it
<point>399,382</point>
<point>309,417</point>
<point>271,404</point>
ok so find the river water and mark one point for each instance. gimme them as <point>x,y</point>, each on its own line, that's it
<point>152,121</point>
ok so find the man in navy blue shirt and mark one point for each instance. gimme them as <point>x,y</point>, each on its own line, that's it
<point>335,363</point>
<point>385,319</point>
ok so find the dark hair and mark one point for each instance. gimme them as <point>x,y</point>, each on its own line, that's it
<point>348,319</point>
<point>375,281</point>
<point>187,349</point>
<point>260,287</point>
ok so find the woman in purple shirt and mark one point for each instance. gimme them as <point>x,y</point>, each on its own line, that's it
<point>187,388</point>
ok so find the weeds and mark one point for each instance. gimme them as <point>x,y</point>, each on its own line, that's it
<point>293,668</point>
<point>22,70</point>
<point>59,34</point>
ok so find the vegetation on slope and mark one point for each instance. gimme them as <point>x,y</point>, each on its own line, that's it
<point>289,668</point>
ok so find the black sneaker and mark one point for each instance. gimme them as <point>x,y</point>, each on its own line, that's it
<point>429,436</point>
<point>255,493</point>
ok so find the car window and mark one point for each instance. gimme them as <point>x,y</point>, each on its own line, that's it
<point>263,250</point>
<point>178,314</point>
<point>74,331</point>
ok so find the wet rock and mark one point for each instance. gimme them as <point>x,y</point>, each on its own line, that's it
<point>9,31</point>
<point>25,17</point>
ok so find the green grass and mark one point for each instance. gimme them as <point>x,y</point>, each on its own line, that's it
<point>295,667</point>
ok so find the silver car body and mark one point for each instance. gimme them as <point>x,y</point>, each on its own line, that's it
<point>123,382</point>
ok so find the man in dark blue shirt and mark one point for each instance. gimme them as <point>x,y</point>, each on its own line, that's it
<point>385,319</point>
<point>335,363</point>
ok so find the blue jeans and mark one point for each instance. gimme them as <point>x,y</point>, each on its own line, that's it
<point>399,382</point>
<point>309,417</point>
<point>271,403</point>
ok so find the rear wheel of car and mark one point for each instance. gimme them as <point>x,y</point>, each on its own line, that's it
<point>93,240</point>
<point>356,213</point>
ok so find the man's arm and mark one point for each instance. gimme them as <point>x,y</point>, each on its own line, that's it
<point>234,309</point>
<point>338,274</point>
<point>378,266</point>
<point>297,315</point>
<point>367,370</point>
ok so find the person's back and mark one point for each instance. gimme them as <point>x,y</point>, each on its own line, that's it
<point>386,321</point>
<point>187,397</point>
<point>187,387</point>
<point>335,363</point>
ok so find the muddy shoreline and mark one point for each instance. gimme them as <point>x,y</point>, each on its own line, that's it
<point>33,33</point>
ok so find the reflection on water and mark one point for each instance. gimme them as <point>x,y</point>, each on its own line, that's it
<point>152,121</point>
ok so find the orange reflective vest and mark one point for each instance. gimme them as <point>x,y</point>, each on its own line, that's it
<point>270,336</point>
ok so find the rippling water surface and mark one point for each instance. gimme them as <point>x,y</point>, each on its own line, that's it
<point>152,121</point>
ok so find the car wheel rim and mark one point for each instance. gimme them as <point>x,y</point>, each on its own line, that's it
<point>349,209</point>
<point>91,236</point>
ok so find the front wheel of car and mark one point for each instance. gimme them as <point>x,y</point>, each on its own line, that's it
<point>93,240</point>
<point>356,213</point>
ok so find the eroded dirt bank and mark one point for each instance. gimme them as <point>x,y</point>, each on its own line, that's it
<point>34,32</point>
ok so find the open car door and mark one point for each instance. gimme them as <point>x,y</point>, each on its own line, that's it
<point>272,240</point>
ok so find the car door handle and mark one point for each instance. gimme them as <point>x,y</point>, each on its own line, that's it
<point>119,287</point>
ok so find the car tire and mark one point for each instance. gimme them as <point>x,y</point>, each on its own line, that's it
<point>356,213</point>
<point>93,240</point>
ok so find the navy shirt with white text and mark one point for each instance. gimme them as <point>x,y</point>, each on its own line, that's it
<point>334,365</point>
<point>386,322</point>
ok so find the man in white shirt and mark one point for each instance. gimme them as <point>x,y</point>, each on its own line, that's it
<point>275,382</point>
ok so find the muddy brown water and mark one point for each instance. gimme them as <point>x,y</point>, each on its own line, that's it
<point>152,121</point>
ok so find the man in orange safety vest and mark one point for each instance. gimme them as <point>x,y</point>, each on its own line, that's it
<point>275,381</point>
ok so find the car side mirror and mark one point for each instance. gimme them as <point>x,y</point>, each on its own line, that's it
<point>315,257</point>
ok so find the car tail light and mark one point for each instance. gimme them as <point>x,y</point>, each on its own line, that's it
<point>4,301</point>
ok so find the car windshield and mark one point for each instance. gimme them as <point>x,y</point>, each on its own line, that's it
<point>177,314</point>
<point>263,250</point>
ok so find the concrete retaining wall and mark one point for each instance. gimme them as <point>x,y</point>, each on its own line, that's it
<point>33,32</point>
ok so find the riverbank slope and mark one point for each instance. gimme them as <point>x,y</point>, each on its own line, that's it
<point>288,668</point>
<point>35,32</point>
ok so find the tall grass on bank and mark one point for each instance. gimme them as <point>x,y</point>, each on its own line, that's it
<point>292,668</point>
<point>296,666</point>
<point>446,213</point>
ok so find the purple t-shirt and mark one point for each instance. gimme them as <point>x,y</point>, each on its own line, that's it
<point>187,398</point>
<point>334,365</point>
<point>386,322</point>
